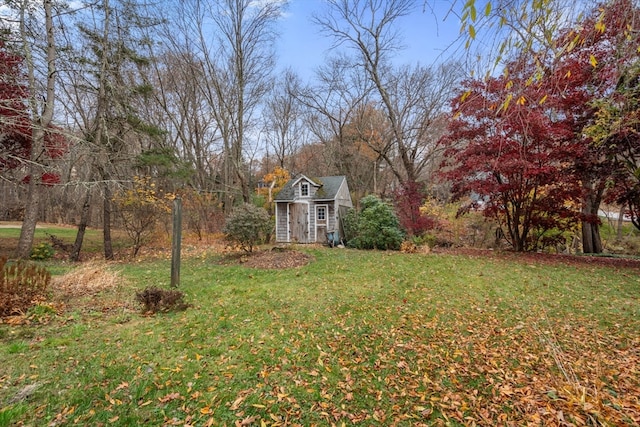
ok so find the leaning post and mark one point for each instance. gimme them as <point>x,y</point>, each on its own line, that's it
<point>175,242</point>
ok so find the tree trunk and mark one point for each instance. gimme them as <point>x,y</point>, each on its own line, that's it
<point>591,241</point>
<point>32,204</point>
<point>82,226</point>
<point>106,224</point>
<point>41,119</point>
<point>620,223</point>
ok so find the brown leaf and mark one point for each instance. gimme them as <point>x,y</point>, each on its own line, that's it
<point>169,397</point>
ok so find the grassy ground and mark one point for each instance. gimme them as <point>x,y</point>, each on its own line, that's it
<point>354,337</point>
<point>92,243</point>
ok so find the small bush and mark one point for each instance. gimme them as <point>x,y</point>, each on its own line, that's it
<point>154,299</point>
<point>408,247</point>
<point>42,251</point>
<point>375,227</point>
<point>248,226</point>
<point>59,244</point>
<point>140,208</point>
<point>22,285</point>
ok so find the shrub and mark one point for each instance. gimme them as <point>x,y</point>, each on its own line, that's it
<point>42,251</point>
<point>375,227</point>
<point>154,299</point>
<point>140,209</point>
<point>408,247</point>
<point>22,285</point>
<point>248,226</point>
<point>408,200</point>
<point>202,212</point>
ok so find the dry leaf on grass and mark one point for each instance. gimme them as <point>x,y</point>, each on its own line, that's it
<point>274,259</point>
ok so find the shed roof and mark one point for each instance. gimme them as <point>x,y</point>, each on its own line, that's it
<point>329,187</point>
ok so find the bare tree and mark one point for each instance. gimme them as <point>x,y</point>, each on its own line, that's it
<point>332,104</point>
<point>411,98</point>
<point>191,130</point>
<point>40,60</point>
<point>108,56</point>
<point>284,128</point>
<point>232,44</point>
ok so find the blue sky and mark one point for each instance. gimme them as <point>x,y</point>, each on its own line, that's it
<point>425,34</point>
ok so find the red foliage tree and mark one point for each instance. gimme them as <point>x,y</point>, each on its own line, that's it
<point>16,131</point>
<point>505,149</point>
<point>518,143</point>
<point>15,127</point>
<point>408,199</point>
<point>602,47</point>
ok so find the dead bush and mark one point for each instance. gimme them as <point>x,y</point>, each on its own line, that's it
<point>22,285</point>
<point>408,247</point>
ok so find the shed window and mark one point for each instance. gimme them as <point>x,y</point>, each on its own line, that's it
<point>304,189</point>
<point>322,213</point>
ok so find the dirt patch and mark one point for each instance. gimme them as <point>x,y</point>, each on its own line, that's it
<point>274,259</point>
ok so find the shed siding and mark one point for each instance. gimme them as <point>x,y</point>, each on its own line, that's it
<point>282,222</point>
<point>343,197</point>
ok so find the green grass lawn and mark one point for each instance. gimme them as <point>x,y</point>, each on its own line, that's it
<point>366,338</point>
<point>92,242</point>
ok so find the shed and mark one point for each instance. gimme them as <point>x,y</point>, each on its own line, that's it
<point>309,208</point>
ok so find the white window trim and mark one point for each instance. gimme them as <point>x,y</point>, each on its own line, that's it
<point>326,211</point>
<point>302,185</point>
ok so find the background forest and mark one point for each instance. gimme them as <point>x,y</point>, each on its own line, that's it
<point>112,108</point>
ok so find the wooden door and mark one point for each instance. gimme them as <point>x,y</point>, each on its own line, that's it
<point>299,222</point>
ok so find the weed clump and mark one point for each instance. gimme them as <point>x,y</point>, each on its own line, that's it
<point>42,252</point>
<point>22,285</point>
<point>154,299</point>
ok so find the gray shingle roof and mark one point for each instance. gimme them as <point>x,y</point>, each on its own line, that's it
<point>329,186</point>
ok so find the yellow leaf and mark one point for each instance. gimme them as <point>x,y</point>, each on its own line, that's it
<point>206,410</point>
<point>505,104</point>
<point>568,75</point>
<point>465,96</point>
<point>472,32</point>
<point>487,9</point>
<point>522,100</point>
<point>509,85</point>
<point>600,27</point>
<point>593,61</point>
<point>542,101</point>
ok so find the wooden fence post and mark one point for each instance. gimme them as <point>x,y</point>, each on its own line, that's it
<point>175,242</point>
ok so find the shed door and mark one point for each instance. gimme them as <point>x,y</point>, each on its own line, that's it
<point>299,222</point>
